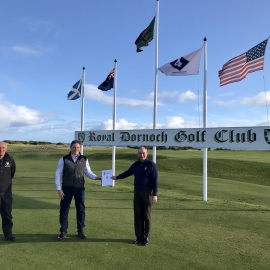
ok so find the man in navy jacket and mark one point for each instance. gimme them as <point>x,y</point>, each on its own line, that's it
<point>145,193</point>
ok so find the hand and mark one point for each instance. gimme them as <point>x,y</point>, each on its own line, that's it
<point>154,199</point>
<point>98,178</point>
<point>113,177</point>
<point>61,194</point>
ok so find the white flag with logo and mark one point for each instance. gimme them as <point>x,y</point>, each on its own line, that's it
<point>186,65</point>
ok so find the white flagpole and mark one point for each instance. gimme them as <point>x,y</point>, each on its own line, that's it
<point>205,122</point>
<point>114,115</point>
<point>82,112</point>
<point>156,82</point>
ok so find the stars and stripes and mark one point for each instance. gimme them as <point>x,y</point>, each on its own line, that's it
<point>238,67</point>
<point>75,91</point>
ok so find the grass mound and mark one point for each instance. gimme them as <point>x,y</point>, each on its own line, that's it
<point>239,170</point>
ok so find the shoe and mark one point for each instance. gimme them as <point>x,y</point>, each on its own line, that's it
<point>10,237</point>
<point>137,241</point>
<point>62,236</point>
<point>82,235</point>
<point>145,241</point>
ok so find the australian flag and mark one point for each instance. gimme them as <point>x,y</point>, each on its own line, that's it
<point>75,91</point>
<point>108,83</point>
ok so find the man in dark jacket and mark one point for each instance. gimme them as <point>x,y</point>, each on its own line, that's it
<point>7,172</point>
<point>145,193</point>
<point>71,169</point>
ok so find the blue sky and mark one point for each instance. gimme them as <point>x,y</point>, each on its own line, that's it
<point>45,44</point>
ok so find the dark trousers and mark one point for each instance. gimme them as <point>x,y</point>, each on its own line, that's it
<point>5,210</point>
<point>78,194</point>
<point>142,204</point>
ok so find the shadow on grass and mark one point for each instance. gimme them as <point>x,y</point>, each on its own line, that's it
<point>42,238</point>
<point>20,202</point>
<point>106,191</point>
<point>32,183</point>
<point>213,209</point>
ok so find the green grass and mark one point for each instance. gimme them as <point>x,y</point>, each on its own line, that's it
<point>229,231</point>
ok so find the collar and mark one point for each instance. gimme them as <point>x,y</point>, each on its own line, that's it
<point>143,161</point>
<point>75,157</point>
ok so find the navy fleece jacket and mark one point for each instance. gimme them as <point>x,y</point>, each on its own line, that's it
<point>145,175</point>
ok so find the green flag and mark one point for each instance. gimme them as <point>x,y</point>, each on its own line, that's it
<point>145,36</point>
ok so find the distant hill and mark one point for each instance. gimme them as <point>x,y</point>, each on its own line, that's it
<point>33,142</point>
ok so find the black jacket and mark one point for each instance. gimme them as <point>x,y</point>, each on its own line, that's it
<point>7,172</point>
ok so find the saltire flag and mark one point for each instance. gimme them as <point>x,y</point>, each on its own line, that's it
<point>186,65</point>
<point>238,67</point>
<point>145,36</point>
<point>108,83</point>
<point>75,91</point>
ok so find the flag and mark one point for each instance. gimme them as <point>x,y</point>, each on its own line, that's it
<point>75,91</point>
<point>238,67</point>
<point>145,36</point>
<point>186,65</point>
<point>108,83</point>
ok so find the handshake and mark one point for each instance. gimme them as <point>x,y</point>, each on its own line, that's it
<point>100,178</point>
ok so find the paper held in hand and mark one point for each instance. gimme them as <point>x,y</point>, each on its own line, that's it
<point>106,178</point>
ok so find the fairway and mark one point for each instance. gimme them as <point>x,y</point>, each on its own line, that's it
<point>229,231</point>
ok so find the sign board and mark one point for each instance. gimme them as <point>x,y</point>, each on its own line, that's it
<point>238,138</point>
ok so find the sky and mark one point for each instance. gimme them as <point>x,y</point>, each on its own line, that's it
<point>45,44</point>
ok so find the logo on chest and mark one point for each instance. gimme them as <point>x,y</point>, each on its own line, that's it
<point>7,164</point>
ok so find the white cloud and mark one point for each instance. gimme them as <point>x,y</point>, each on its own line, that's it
<point>135,91</point>
<point>188,95</point>
<point>164,97</point>
<point>259,99</point>
<point>225,103</point>
<point>93,93</point>
<point>225,94</point>
<point>174,122</point>
<point>14,115</point>
<point>234,122</point>
<point>170,123</point>
<point>39,25</point>
<point>122,124</point>
<point>172,97</point>
<point>25,50</point>
<point>177,122</point>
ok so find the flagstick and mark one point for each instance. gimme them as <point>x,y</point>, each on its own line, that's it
<point>114,115</point>
<point>205,122</point>
<point>156,82</point>
<point>82,113</point>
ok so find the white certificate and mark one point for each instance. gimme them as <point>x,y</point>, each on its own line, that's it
<point>106,178</point>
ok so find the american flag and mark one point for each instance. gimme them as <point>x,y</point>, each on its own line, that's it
<point>238,67</point>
